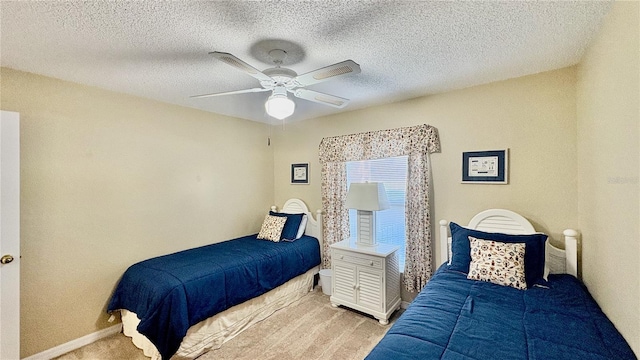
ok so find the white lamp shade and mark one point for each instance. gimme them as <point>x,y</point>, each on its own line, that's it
<point>369,196</point>
<point>279,106</point>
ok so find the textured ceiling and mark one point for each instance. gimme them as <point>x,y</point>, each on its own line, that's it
<point>159,50</point>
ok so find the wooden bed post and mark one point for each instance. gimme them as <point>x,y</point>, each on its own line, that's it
<point>571,251</point>
<point>444,241</point>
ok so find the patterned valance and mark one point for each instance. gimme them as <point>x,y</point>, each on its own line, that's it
<point>380,144</point>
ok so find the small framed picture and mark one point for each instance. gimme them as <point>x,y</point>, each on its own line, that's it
<point>485,167</point>
<point>299,173</point>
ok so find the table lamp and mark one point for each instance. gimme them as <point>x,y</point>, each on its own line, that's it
<point>367,198</point>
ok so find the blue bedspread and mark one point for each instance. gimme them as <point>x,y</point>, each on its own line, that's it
<point>173,292</point>
<point>456,318</point>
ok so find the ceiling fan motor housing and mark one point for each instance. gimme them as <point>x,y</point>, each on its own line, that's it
<point>281,76</point>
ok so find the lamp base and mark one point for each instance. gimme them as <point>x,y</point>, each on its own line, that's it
<point>366,228</point>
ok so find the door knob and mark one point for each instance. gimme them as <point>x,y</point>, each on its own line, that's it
<point>6,259</point>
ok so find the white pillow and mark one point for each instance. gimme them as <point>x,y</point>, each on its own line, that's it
<point>303,225</point>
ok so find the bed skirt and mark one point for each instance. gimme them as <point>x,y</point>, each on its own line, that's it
<point>211,333</point>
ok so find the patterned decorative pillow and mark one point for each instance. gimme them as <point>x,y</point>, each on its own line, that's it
<point>272,228</point>
<point>497,262</point>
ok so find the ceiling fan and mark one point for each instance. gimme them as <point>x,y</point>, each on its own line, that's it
<point>280,80</point>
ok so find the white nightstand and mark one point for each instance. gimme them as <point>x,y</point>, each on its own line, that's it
<point>366,278</point>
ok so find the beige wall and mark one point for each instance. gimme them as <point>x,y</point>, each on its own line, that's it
<point>102,170</point>
<point>110,179</point>
<point>533,116</point>
<point>608,172</point>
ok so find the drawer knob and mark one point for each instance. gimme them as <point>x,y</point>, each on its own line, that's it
<point>371,263</point>
<point>341,257</point>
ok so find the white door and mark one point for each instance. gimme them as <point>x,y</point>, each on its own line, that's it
<point>9,235</point>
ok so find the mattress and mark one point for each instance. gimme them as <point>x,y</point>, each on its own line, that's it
<point>457,318</point>
<point>174,292</point>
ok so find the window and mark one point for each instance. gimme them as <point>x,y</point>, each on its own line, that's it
<point>390,223</point>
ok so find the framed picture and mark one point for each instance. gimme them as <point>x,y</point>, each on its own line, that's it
<point>485,167</point>
<point>299,173</point>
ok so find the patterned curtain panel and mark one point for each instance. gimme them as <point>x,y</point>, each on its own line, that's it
<point>417,142</point>
<point>335,220</point>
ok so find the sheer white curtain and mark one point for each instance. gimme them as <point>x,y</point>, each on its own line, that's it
<point>417,142</point>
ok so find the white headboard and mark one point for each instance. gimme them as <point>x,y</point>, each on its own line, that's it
<point>557,261</point>
<point>314,225</point>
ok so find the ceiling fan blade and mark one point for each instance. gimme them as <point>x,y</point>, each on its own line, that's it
<point>231,92</point>
<point>321,98</point>
<point>240,65</point>
<point>346,67</point>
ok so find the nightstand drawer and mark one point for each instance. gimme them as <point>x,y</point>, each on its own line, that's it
<point>358,259</point>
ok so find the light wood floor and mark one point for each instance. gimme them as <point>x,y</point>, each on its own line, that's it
<point>308,329</point>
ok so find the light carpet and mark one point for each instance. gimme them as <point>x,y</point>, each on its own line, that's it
<point>308,329</point>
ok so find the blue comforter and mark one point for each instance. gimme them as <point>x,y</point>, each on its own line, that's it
<point>456,318</point>
<point>173,292</point>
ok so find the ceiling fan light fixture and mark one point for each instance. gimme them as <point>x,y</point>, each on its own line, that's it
<point>279,105</point>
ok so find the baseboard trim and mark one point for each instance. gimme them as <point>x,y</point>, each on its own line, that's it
<point>404,304</point>
<point>75,344</point>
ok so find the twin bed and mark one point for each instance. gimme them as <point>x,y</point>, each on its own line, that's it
<point>188,303</point>
<point>454,317</point>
